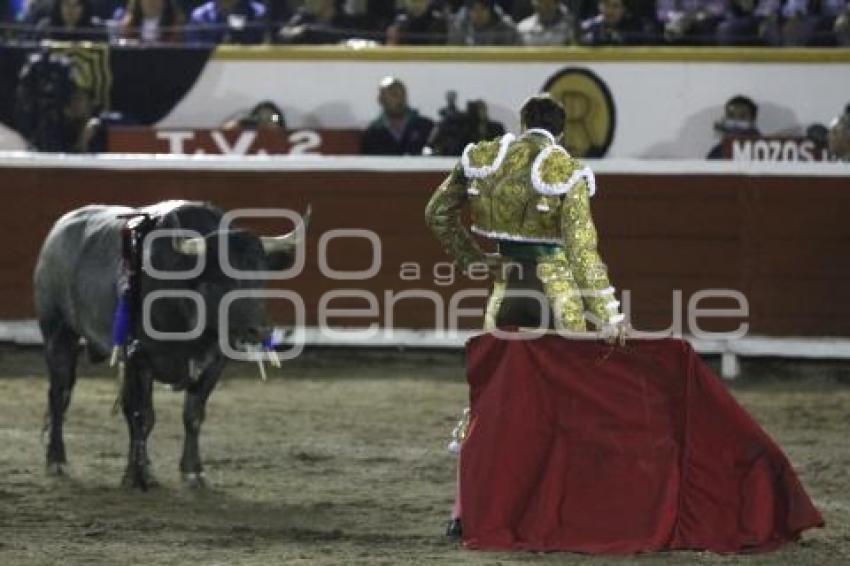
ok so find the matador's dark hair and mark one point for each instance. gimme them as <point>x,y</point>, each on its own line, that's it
<point>543,111</point>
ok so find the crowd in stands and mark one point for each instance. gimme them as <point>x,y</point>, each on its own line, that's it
<point>434,22</point>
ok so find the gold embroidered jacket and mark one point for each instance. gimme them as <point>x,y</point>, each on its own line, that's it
<point>527,190</point>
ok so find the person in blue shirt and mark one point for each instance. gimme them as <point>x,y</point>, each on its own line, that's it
<point>228,21</point>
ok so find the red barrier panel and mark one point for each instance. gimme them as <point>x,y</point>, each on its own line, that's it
<point>778,240</point>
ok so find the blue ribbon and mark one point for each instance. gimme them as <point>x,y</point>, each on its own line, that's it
<point>121,321</point>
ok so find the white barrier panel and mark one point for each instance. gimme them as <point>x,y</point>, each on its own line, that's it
<point>135,162</point>
<point>663,103</point>
<point>26,333</point>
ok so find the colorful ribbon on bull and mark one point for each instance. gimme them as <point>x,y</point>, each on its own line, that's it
<point>128,288</point>
<point>267,347</point>
<point>125,316</point>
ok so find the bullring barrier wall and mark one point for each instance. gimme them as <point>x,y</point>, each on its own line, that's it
<point>778,234</point>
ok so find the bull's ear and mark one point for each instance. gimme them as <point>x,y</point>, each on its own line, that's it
<point>171,254</point>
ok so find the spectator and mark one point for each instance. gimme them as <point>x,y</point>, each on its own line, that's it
<point>35,11</point>
<point>72,20</point>
<point>7,11</point>
<point>643,10</point>
<point>518,10</point>
<point>742,24</point>
<point>809,22</point>
<point>264,116</point>
<point>739,119</point>
<point>317,22</point>
<point>841,28</point>
<point>8,15</point>
<point>690,21</point>
<point>278,12</point>
<point>451,6</point>
<point>818,134</point>
<point>839,136</point>
<point>228,21</point>
<point>153,21</point>
<point>105,10</point>
<point>419,23</point>
<point>370,16</point>
<point>481,22</point>
<point>550,24</point>
<point>399,130</point>
<point>458,129</point>
<point>615,26</point>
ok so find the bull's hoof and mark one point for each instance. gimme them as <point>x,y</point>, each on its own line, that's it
<point>57,469</point>
<point>139,477</point>
<point>194,480</point>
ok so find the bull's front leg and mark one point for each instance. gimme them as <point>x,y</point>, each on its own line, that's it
<point>194,410</point>
<point>137,403</point>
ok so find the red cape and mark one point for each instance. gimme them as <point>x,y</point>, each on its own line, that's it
<point>576,445</point>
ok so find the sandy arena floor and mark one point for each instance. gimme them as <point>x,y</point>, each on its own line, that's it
<point>339,459</point>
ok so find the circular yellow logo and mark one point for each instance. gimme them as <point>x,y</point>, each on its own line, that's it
<point>591,118</point>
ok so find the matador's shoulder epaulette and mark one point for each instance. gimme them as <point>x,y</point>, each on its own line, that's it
<point>556,172</point>
<point>484,158</point>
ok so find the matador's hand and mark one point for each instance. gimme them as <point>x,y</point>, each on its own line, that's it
<point>615,333</point>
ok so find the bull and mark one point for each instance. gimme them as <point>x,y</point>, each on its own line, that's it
<point>76,284</point>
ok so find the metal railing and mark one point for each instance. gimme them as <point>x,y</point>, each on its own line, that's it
<point>113,31</point>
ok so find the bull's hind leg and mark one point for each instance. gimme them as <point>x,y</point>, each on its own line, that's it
<point>61,346</point>
<point>137,403</point>
<point>194,409</point>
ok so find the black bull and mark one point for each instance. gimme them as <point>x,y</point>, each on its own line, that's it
<point>76,292</point>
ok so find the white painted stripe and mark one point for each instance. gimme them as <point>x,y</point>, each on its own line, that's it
<point>22,332</point>
<point>260,163</point>
<point>25,332</point>
<point>118,161</point>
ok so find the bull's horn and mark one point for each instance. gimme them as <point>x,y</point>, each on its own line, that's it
<point>287,242</point>
<point>190,246</point>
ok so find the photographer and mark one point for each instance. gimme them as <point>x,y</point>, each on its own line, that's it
<point>264,116</point>
<point>50,109</point>
<point>54,112</point>
<point>458,129</point>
